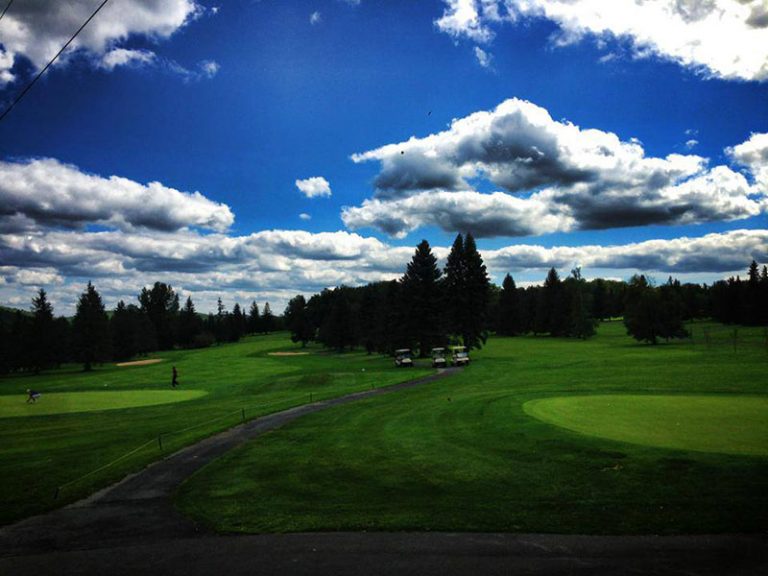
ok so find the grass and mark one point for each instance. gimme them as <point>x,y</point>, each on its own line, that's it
<point>42,452</point>
<point>14,406</point>
<point>724,424</point>
<point>462,454</point>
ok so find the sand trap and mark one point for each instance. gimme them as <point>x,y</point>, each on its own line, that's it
<point>287,353</point>
<point>140,362</point>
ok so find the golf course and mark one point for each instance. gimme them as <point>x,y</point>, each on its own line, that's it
<point>537,434</point>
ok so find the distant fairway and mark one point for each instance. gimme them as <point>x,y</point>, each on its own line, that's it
<point>15,406</point>
<point>723,424</point>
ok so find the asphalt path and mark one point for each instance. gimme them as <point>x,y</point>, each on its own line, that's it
<point>133,528</point>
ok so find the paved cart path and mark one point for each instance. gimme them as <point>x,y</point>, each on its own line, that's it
<point>133,528</point>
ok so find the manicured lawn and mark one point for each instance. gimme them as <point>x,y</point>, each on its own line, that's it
<point>725,424</point>
<point>68,402</point>
<point>128,410</point>
<point>463,454</point>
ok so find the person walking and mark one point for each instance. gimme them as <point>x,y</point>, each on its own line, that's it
<point>174,380</point>
<point>32,396</point>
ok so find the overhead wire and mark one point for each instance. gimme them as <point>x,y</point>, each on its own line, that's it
<point>6,8</point>
<point>39,74</point>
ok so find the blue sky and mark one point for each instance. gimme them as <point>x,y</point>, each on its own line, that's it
<point>170,143</point>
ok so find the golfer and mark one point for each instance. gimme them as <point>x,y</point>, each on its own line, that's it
<point>174,380</point>
<point>32,396</point>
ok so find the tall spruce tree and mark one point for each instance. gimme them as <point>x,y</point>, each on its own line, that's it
<point>581,324</point>
<point>41,344</point>
<point>422,300</point>
<point>267,319</point>
<point>254,319</point>
<point>508,322</point>
<point>454,287</point>
<point>189,324</point>
<point>477,290</point>
<point>90,327</point>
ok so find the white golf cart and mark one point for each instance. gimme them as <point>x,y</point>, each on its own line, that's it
<point>438,358</point>
<point>403,358</point>
<point>459,356</point>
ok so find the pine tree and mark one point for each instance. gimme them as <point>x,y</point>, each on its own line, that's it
<point>90,328</point>
<point>253,318</point>
<point>421,310</point>
<point>41,342</point>
<point>189,324</point>
<point>454,287</point>
<point>477,290</point>
<point>581,324</point>
<point>267,320</point>
<point>509,315</point>
<point>238,323</point>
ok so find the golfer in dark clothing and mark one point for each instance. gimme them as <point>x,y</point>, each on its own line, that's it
<point>174,381</point>
<point>33,396</point>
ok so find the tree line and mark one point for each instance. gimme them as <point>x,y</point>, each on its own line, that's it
<point>425,308</point>
<point>37,340</point>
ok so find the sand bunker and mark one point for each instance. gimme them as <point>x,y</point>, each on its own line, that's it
<point>140,362</point>
<point>287,353</point>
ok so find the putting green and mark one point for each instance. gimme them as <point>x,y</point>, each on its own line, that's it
<point>722,424</point>
<point>16,405</point>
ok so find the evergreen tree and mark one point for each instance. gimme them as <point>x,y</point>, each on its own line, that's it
<point>297,320</point>
<point>161,305</point>
<point>254,320</point>
<point>189,324</point>
<point>336,329</point>
<point>508,321</point>
<point>421,300</point>
<point>581,324</point>
<point>267,320</point>
<point>41,342</point>
<point>477,290</point>
<point>641,315</point>
<point>454,287</point>
<point>90,327</point>
<point>238,323</point>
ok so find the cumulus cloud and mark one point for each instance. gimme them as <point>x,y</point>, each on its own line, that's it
<point>556,176</point>
<point>305,216</point>
<point>691,35</point>
<point>275,265</point>
<point>48,192</point>
<point>754,155</point>
<point>317,186</point>
<point>315,18</point>
<point>721,253</point>
<point>37,29</point>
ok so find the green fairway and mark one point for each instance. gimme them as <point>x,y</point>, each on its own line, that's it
<point>65,402</point>
<point>90,429</point>
<point>730,425</point>
<point>461,454</point>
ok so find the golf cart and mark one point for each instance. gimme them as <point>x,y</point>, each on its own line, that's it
<point>403,358</point>
<point>459,356</point>
<point>438,358</point>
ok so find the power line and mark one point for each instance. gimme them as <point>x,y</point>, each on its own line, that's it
<point>6,8</point>
<point>39,74</point>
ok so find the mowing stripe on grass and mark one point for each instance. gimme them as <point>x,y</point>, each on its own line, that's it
<point>705,423</point>
<point>15,405</point>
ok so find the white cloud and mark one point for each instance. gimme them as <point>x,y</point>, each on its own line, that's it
<point>305,216</point>
<point>275,265</point>
<point>692,143</point>
<point>123,57</point>
<point>47,192</point>
<point>315,18</point>
<point>724,38</point>
<point>314,187</point>
<point>37,30</point>
<point>563,178</point>
<point>727,252</point>
<point>484,58</point>
<point>754,155</point>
